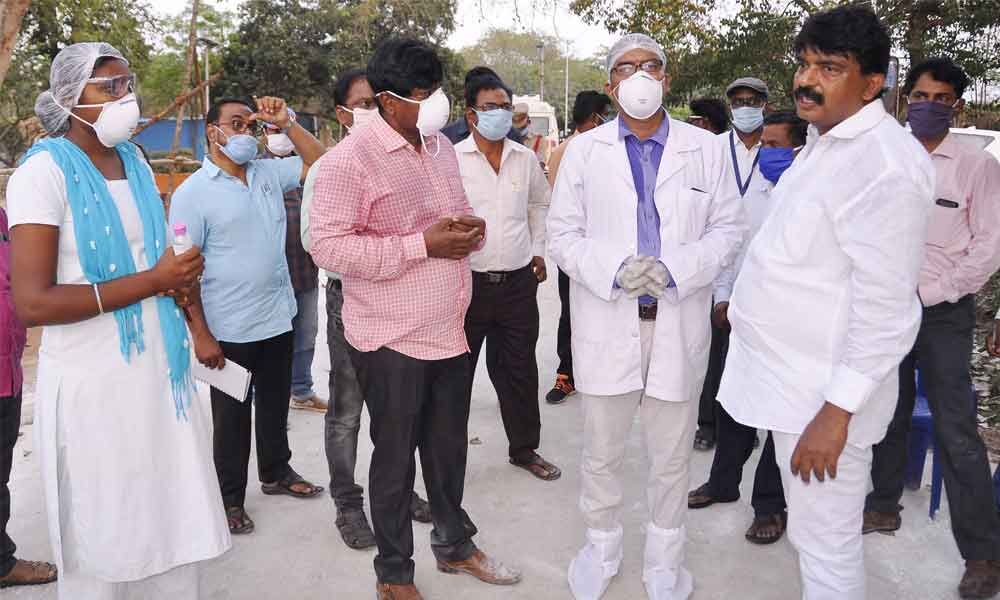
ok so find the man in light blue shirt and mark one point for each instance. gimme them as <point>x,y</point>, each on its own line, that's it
<point>233,208</point>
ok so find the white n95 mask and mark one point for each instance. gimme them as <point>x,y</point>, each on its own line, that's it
<point>117,121</point>
<point>641,95</point>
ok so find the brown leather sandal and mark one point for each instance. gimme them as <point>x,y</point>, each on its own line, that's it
<point>29,572</point>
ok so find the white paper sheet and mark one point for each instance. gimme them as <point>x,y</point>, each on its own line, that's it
<point>232,379</point>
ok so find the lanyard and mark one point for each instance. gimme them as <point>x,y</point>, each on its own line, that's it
<point>744,186</point>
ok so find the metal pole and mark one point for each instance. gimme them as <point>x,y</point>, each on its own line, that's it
<point>566,98</point>
<point>208,50</point>
<point>541,71</point>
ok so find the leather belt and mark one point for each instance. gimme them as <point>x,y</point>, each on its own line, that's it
<point>498,277</point>
<point>647,312</point>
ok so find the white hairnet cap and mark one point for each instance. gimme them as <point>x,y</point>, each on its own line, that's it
<point>71,69</point>
<point>634,41</point>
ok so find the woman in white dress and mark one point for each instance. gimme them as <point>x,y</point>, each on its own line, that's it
<point>123,439</point>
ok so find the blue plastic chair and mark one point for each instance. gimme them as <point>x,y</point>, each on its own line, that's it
<point>921,440</point>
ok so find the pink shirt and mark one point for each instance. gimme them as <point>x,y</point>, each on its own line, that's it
<point>12,334</point>
<point>374,197</point>
<point>963,238</point>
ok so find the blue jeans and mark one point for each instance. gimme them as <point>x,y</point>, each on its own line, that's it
<point>305,325</point>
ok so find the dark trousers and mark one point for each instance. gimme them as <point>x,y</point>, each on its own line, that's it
<point>733,448</point>
<point>564,347</point>
<point>270,364</point>
<point>707,404</point>
<point>505,316</point>
<point>942,353</point>
<point>416,404</point>
<point>10,424</point>
<point>343,413</point>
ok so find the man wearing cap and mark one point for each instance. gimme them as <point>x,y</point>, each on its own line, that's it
<point>534,141</point>
<point>642,224</point>
<point>747,97</point>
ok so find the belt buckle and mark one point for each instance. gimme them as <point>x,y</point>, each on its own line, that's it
<point>647,312</point>
<point>494,278</point>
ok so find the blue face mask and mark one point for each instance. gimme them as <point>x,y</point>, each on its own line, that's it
<point>748,118</point>
<point>774,161</point>
<point>240,149</point>
<point>494,124</point>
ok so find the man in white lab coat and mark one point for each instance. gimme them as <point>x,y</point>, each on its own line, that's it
<point>825,305</point>
<point>641,224</point>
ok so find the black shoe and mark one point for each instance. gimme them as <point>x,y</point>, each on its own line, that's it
<point>704,439</point>
<point>420,510</point>
<point>561,390</point>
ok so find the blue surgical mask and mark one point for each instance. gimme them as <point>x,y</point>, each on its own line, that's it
<point>494,124</point>
<point>748,118</point>
<point>240,149</point>
<point>774,161</point>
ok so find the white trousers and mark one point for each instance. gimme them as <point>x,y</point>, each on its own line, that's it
<point>824,522</point>
<point>668,429</point>
<point>180,583</point>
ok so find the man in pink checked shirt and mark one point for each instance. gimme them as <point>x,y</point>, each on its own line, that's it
<point>390,215</point>
<point>962,252</point>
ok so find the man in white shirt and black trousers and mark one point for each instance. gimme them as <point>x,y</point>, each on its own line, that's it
<point>507,188</point>
<point>825,306</point>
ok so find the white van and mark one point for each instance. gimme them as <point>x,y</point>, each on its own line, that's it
<point>543,118</point>
<point>981,139</point>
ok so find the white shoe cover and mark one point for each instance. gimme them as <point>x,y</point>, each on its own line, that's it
<point>663,574</point>
<point>596,564</point>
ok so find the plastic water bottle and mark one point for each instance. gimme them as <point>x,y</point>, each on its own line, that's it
<point>182,241</point>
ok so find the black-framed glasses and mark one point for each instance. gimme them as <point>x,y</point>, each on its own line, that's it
<point>628,69</point>
<point>488,106</point>
<point>243,126</point>
<point>116,86</point>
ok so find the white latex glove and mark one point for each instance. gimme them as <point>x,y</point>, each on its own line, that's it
<point>631,277</point>
<point>658,278</point>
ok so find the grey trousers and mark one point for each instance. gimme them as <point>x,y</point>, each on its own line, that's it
<point>343,413</point>
<point>942,353</point>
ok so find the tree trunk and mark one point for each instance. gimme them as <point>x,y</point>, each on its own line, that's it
<point>11,14</point>
<point>918,27</point>
<point>185,84</point>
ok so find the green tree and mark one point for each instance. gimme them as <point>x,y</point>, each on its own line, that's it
<point>161,81</point>
<point>706,53</point>
<point>295,48</point>
<point>515,57</point>
<point>48,27</point>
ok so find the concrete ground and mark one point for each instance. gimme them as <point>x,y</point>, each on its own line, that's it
<point>534,525</point>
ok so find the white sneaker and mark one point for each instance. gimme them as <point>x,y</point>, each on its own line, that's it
<point>596,564</point>
<point>663,574</point>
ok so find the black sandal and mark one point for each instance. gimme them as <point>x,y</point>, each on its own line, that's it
<point>754,535</point>
<point>354,529</point>
<point>539,467</point>
<point>284,487</point>
<point>239,521</point>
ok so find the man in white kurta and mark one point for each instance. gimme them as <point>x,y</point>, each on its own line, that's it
<point>641,195</point>
<point>825,305</point>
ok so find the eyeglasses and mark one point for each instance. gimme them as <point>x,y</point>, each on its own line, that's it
<point>629,69</point>
<point>746,102</point>
<point>491,106</point>
<point>241,126</point>
<point>116,86</point>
